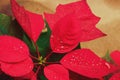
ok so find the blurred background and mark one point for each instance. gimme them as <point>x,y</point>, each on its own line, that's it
<point>108,10</point>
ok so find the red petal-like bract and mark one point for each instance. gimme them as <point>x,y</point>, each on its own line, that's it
<point>85,62</point>
<point>115,76</point>
<point>56,72</point>
<point>12,49</point>
<point>18,69</point>
<point>31,23</point>
<point>116,57</point>
<point>66,35</point>
<point>71,24</point>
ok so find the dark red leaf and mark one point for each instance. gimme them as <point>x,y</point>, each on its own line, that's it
<point>30,76</point>
<point>17,69</point>
<point>12,49</point>
<point>116,57</point>
<point>115,76</point>
<point>56,72</point>
<point>31,23</point>
<point>86,63</point>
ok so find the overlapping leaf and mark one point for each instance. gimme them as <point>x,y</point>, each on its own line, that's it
<point>12,49</point>
<point>66,35</point>
<point>31,23</point>
<point>18,69</point>
<point>86,63</point>
<point>56,72</point>
<point>72,22</point>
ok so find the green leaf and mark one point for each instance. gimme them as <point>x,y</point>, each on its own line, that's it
<point>43,41</point>
<point>107,57</point>
<point>29,43</point>
<point>5,22</point>
<point>43,77</point>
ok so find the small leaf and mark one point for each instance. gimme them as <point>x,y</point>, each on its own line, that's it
<point>56,72</point>
<point>5,22</point>
<point>12,49</point>
<point>107,57</point>
<point>86,63</point>
<point>31,23</point>
<point>17,69</point>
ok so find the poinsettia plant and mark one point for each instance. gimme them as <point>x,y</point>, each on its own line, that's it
<point>47,47</point>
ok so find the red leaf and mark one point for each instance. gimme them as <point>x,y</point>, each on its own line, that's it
<point>66,35</point>
<point>12,49</point>
<point>86,63</point>
<point>56,72</point>
<point>115,76</point>
<point>71,24</point>
<point>31,23</point>
<point>18,69</point>
<point>80,8</point>
<point>116,57</point>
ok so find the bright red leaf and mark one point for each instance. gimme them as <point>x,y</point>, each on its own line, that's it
<point>115,76</point>
<point>66,35</point>
<point>71,24</point>
<point>56,72</point>
<point>17,69</point>
<point>116,57</point>
<point>85,62</point>
<point>31,23</point>
<point>12,49</point>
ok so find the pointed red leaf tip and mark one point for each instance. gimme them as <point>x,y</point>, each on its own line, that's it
<point>12,49</point>
<point>71,24</point>
<point>86,63</point>
<point>31,23</point>
<point>56,72</point>
<point>115,76</point>
<point>115,55</point>
<point>18,69</point>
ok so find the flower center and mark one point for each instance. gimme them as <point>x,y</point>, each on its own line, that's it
<point>41,60</point>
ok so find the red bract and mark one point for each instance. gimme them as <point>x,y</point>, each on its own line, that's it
<point>85,62</point>
<point>31,23</point>
<point>71,24</point>
<point>14,56</point>
<point>56,72</point>
<point>116,58</point>
<point>81,61</point>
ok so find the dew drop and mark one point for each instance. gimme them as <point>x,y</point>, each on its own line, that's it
<point>21,47</point>
<point>108,66</point>
<point>62,47</point>
<point>61,41</point>
<point>52,36</point>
